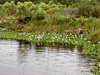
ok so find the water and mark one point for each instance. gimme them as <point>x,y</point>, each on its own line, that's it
<point>19,58</point>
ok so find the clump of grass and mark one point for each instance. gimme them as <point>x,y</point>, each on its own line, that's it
<point>92,24</point>
<point>50,19</point>
<point>95,37</point>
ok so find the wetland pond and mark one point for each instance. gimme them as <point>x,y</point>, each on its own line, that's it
<point>21,58</point>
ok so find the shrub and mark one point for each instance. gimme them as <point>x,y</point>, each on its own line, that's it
<point>89,8</point>
<point>53,6</point>
<point>61,6</point>
<point>22,9</point>
<point>50,3</point>
<point>34,7</point>
<point>9,8</point>
<point>60,18</point>
<point>28,4</point>
<point>40,14</point>
<point>53,10</point>
<point>44,6</point>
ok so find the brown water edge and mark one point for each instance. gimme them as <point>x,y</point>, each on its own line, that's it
<point>23,58</point>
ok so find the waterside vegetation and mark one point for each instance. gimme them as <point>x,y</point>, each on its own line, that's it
<point>49,22</point>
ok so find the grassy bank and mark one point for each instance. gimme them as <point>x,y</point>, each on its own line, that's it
<point>51,23</point>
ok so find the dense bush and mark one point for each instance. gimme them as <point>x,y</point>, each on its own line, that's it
<point>86,8</point>
<point>89,8</point>
<point>28,8</point>
<point>43,6</point>
<point>40,14</point>
<point>9,8</point>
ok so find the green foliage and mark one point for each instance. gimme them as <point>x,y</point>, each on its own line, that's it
<point>9,8</point>
<point>72,21</point>
<point>2,14</point>
<point>92,24</point>
<point>89,8</point>
<point>53,10</point>
<point>44,6</point>
<point>50,19</point>
<point>61,19</point>
<point>98,72</point>
<point>21,8</point>
<point>39,15</point>
<point>34,7</point>
<point>28,4</point>
<point>50,3</point>
<point>20,19</point>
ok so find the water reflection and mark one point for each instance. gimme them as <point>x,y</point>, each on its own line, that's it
<point>43,59</point>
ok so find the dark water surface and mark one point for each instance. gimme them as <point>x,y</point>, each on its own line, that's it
<point>18,58</point>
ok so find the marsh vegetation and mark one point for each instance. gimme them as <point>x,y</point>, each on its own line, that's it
<point>76,22</point>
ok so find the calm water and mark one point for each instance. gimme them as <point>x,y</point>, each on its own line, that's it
<point>19,58</point>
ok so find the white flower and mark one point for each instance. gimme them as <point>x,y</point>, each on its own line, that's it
<point>20,34</point>
<point>88,41</point>
<point>24,32</point>
<point>52,40</point>
<point>63,39</point>
<point>48,33</point>
<point>93,44</point>
<point>84,38</point>
<point>30,38</point>
<point>99,42</point>
<point>3,29</point>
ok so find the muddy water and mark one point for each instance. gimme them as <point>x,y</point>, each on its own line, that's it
<point>20,58</point>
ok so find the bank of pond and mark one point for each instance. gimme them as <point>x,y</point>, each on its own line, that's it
<point>88,47</point>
